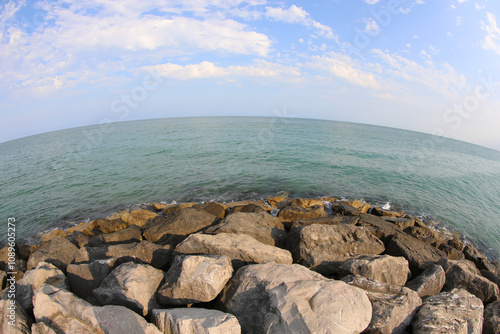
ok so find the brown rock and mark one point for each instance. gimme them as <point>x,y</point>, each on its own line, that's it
<point>85,277</point>
<point>401,223</point>
<point>386,213</point>
<point>451,253</point>
<point>251,207</point>
<point>457,244</point>
<point>294,212</point>
<point>344,209</point>
<point>492,318</point>
<point>58,251</point>
<point>99,226</point>
<point>51,235</point>
<point>383,268</point>
<point>425,234</point>
<point>231,207</point>
<point>278,202</point>
<point>132,233</point>
<point>428,283</point>
<point>13,318</point>
<point>159,206</point>
<point>360,205</point>
<point>307,202</point>
<point>216,209</point>
<point>176,207</point>
<point>138,217</point>
<point>330,220</point>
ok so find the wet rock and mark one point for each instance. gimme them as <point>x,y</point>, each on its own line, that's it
<point>294,212</point>
<point>195,320</point>
<point>216,209</point>
<point>132,233</point>
<point>386,213</point>
<point>344,209</point>
<point>383,268</point>
<point>84,278</point>
<point>13,318</point>
<point>240,248</point>
<point>457,311</point>
<point>360,205</point>
<point>261,225</point>
<point>131,285</point>
<point>492,318</point>
<point>59,251</point>
<point>430,282</point>
<point>176,226</point>
<point>195,279</point>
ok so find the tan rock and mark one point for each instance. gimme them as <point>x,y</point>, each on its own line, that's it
<point>428,283</point>
<point>175,207</point>
<point>58,251</point>
<point>294,212</point>
<point>84,278</point>
<point>278,202</point>
<point>51,235</point>
<point>360,205</point>
<point>132,233</point>
<point>383,268</point>
<point>42,328</point>
<point>13,318</point>
<point>159,206</point>
<point>214,208</point>
<point>307,202</point>
<point>138,217</point>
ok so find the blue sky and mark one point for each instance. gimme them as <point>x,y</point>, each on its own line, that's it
<point>429,66</point>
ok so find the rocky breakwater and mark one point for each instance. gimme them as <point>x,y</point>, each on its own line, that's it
<point>275,266</point>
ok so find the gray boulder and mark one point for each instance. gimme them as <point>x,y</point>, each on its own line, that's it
<point>383,268</point>
<point>131,285</point>
<point>84,278</point>
<point>195,279</point>
<point>492,318</point>
<point>428,283</point>
<point>58,251</point>
<point>195,320</point>
<point>13,318</point>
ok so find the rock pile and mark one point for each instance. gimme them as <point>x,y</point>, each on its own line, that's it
<point>271,266</point>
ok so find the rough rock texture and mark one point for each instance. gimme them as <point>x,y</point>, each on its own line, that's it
<point>457,311</point>
<point>175,226</point>
<point>176,207</point>
<point>159,206</point>
<point>386,213</point>
<point>401,223</point>
<point>13,312</point>
<point>307,202</point>
<point>99,226</point>
<point>260,225</point>
<point>195,279</point>
<point>293,212</point>
<point>130,234</point>
<point>492,318</point>
<point>84,278</point>
<point>451,253</point>
<point>393,306</point>
<point>360,205</point>
<point>42,328</point>
<point>250,207</point>
<point>132,285</point>
<point>51,235</point>
<point>464,274</point>
<point>383,268</point>
<point>143,252</point>
<point>330,220</point>
<point>240,248</point>
<point>62,310</point>
<point>3,279</point>
<point>195,320</point>
<point>44,273</point>
<point>137,217</point>
<point>272,298</point>
<point>428,283</point>
<point>214,208</point>
<point>279,202</point>
<point>344,209</point>
<point>59,251</point>
<point>323,247</point>
<point>425,234</point>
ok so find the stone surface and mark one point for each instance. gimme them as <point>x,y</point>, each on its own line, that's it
<point>260,225</point>
<point>344,209</point>
<point>44,273</point>
<point>137,217</point>
<point>131,285</point>
<point>451,253</point>
<point>175,207</point>
<point>143,252</point>
<point>42,328</point>
<point>195,279</point>
<point>69,314</point>
<point>386,213</point>
<point>214,208</point>
<point>51,235</point>
<point>177,225</point>
<point>99,226</point>
<point>307,202</point>
<point>383,268</point>
<point>3,279</point>
<point>159,206</point>
<point>323,247</point>
<point>250,207</point>
<point>464,274</point>
<point>425,234</point>
<point>195,320</point>
<point>393,306</point>
<point>278,202</point>
<point>428,283</point>
<point>240,248</point>
<point>293,212</point>
<point>457,311</point>
<point>58,251</point>
<point>330,220</point>
<point>84,278</point>
<point>132,233</point>
<point>360,205</point>
<point>13,318</point>
<point>273,298</point>
<point>491,323</point>
<point>401,223</point>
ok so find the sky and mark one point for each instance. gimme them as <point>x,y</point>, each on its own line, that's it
<point>428,66</point>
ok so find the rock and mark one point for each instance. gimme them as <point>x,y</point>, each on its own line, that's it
<point>457,244</point>
<point>330,220</point>
<point>386,213</point>
<point>425,234</point>
<point>472,254</point>
<point>13,318</point>
<point>24,251</point>
<point>464,274</point>
<point>84,278</point>
<point>3,279</point>
<point>51,235</point>
<point>132,233</point>
<point>428,283</point>
<point>33,280</point>
<point>260,225</point>
<point>344,209</point>
<point>400,223</point>
<point>62,310</point>
<point>307,202</point>
<point>278,202</point>
<point>177,225</point>
<point>159,206</point>
<point>492,318</point>
<point>451,253</point>
<point>4,257</point>
<point>294,212</point>
<point>393,306</point>
<point>216,209</point>
<point>138,217</point>
<point>324,247</point>
<point>274,298</point>
<point>141,252</point>
<point>42,328</point>
<point>457,311</point>
<point>99,226</point>
<point>175,207</point>
<point>232,206</point>
<point>79,239</point>
<point>58,251</point>
<point>240,248</point>
<point>250,207</point>
<point>383,268</point>
<point>360,205</point>
<point>18,268</point>
<point>131,285</point>
<point>195,279</point>
<point>195,320</point>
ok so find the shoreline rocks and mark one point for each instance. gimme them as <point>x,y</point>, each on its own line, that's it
<point>276,265</point>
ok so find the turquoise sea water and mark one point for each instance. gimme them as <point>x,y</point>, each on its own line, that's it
<point>85,173</point>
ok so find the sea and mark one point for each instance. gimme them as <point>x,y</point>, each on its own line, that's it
<point>56,179</point>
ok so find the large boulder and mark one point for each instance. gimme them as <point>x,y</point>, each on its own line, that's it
<point>383,268</point>
<point>428,283</point>
<point>273,298</point>
<point>457,311</point>
<point>260,225</point>
<point>63,311</point>
<point>13,318</point>
<point>240,248</point>
<point>42,328</point>
<point>293,212</point>
<point>343,209</point>
<point>425,234</point>
<point>324,247</point>
<point>130,234</point>
<point>143,252</point>
<point>131,285</point>
<point>393,306</point>
<point>177,206</point>
<point>195,279</point>
<point>58,251</point>
<point>84,278</point>
<point>216,209</point>
<point>99,226</point>
<point>492,318</point>
<point>464,274</point>
<point>137,217</point>
<point>330,220</point>
<point>177,225</point>
<point>307,202</point>
<point>195,320</point>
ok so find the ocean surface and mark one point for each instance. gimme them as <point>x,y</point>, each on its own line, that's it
<point>83,173</point>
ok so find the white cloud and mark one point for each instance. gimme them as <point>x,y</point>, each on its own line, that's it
<point>371,27</point>
<point>492,39</point>
<point>372,2</point>
<point>459,20</point>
